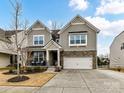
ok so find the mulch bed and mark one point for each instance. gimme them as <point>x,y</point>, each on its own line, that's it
<point>18,79</point>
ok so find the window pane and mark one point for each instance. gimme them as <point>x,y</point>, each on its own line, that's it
<point>35,59</point>
<point>77,39</point>
<point>122,47</point>
<point>35,40</point>
<point>40,54</point>
<point>72,41</point>
<point>40,59</point>
<point>40,42</point>
<point>83,39</point>
<point>72,37</point>
<point>40,39</point>
<point>35,54</point>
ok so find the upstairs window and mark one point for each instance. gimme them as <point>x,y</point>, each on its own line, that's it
<point>122,46</point>
<point>77,39</point>
<point>38,40</point>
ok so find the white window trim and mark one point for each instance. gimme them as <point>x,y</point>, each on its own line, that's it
<point>77,44</point>
<point>77,23</point>
<point>38,44</point>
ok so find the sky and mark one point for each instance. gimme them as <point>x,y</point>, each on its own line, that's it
<point>107,15</point>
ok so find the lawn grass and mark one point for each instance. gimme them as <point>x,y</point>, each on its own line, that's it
<point>7,68</point>
<point>36,79</point>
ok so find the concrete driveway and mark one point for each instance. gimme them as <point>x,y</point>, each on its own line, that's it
<point>85,81</point>
<point>77,81</point>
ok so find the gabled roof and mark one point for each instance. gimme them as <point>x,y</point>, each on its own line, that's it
<point>83,20</point>
<point>9,33</point>
<point>3,37</point>
<point>38,22</point>
<point>7,52</point>
<point>51,42</point>
<point>116,38</point>
<point>55,32</point>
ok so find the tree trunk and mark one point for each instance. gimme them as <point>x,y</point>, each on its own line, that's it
<point>18,64</point>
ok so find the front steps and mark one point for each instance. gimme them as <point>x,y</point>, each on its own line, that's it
<point>51,69</point>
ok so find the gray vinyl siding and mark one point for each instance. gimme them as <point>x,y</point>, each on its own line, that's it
<point>47,36</point>
<point>116,53</point>
<point>91,38</point>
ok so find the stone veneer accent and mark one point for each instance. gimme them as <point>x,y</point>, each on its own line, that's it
<point>78,54</point>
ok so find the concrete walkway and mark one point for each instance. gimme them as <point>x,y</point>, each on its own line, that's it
<point>84,81</point>
<point>13,89</point>
<point>77,81</point>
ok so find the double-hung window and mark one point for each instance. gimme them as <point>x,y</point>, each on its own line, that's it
<point>38,56</point>
<point>38,40</point>
<point>77,39</point>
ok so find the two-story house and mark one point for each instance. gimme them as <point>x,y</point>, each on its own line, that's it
<point>72,47</point>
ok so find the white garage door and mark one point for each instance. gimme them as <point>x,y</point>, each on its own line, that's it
<point>78,63</point>
<point>4,60</point>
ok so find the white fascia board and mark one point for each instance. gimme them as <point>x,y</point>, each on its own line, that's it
<point>38,28</point>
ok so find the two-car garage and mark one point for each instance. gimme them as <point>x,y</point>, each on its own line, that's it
<point>78,63</point>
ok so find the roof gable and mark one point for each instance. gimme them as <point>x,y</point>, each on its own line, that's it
<point>79,20</point>
<point>38,25</point>
<point>116,38</point>
<point>52,45</point>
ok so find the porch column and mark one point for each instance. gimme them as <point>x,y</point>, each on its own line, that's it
<point>47,57</point>
<point>58,58</point>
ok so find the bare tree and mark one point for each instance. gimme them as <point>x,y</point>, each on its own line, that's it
<point>17,8</point>
<point>54,25</point>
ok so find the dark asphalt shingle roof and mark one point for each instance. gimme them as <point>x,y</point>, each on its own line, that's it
<point>9,33</point>
<point>4,35</point>
<point>55,34</point>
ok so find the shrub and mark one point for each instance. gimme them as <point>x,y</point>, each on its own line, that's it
<point>35,69</point>
<point>57,69</point>
<point>29,69</point>
<point>119,69</point>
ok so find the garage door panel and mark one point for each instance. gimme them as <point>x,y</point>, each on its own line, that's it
<point>78,63</point>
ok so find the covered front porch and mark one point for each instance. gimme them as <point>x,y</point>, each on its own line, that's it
<point>53,53</point>
<point>53,57</point>
<point>48,56</point>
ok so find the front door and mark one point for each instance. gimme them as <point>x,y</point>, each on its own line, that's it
<point>53,57</point>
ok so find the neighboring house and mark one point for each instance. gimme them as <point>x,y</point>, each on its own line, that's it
<point>117,51</point>
<point>5,52</point>
<point>72,47</point>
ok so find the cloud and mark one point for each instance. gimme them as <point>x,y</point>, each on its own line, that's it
<point>102,49</point>
<point>110,7</point>
<point>78,4</point>
<point>108,28</point>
